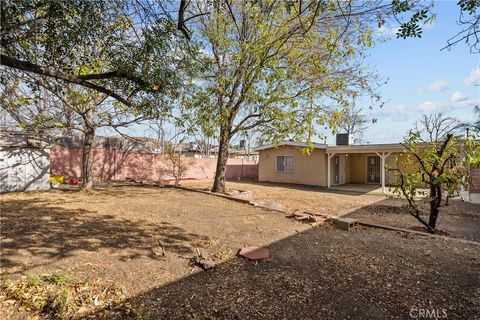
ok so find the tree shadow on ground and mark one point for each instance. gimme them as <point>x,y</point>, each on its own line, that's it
<point>458,220</point>
<point>322,273</point>
<point>32,227</point>
<point>325,273</point>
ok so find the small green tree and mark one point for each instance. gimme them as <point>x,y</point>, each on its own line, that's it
<point>440,163</point>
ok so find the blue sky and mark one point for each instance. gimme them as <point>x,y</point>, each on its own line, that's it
<point>423,79</point>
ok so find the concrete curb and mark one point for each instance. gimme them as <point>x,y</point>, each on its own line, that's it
<point>221,195</point>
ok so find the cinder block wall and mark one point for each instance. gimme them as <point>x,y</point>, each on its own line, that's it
<point>115,164</point>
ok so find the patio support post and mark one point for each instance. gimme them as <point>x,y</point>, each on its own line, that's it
<point>329,157</point>
<point>383,156</point>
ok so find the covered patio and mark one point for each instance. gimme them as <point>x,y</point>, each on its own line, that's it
<point>362,188</point>
<point>362,168</point>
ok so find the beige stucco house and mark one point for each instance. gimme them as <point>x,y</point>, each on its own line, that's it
<point>332,165</point>
<point>327,165</point>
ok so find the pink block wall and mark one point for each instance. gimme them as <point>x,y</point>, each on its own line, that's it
<point>113,164</point>
<point>237,168</point>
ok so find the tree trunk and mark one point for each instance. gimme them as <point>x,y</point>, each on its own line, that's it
<point>88,144</point>
<point>436,194</point>
<point>177,169</point>
<point>219,182</point>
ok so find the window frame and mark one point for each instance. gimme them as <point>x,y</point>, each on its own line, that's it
<point>285,171</point>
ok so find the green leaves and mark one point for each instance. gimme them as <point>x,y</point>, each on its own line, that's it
<point>274,67</point>
<point>129,48</point>
<point>125,56</point>
<point>401,6</point>
<point>412,28</point>
<point>469,6</point>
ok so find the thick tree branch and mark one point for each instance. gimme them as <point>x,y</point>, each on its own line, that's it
<point>59,75</point>
<point>418,158</point>
<point>181,19</point>
<point>411,202</point>
<point>116,74</point>
<point>253,125</point>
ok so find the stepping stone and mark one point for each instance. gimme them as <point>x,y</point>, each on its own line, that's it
<point>300,215</point>
<point>303,216</point>
<point>254,253</point>
<point>319,220</point>
<point>318,214</point>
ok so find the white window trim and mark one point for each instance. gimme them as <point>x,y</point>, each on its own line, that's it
<point>284,155</point>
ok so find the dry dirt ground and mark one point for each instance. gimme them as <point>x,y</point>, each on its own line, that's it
<point>290,197</point>
<point>459,220</point>
<point>116,234</point>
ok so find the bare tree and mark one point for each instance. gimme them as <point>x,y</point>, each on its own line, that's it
<point>436,127</point>
<point>157,129</point>
<point>475,125</point>
<point>351,118</point>
<point>469,19</point>
<point>171,135</point>
<point>178,164</point>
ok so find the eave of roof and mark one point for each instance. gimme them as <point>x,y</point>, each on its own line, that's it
<point>366,148</point>
<point>290,143</point>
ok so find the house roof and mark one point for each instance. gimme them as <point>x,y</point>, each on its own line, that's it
<point>289,143</point>
<point>16,139</point>
<point>365,148</point>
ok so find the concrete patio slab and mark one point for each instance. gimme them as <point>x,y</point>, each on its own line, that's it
<point>371,189</point>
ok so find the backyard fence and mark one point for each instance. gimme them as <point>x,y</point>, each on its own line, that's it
<point>117,164</point>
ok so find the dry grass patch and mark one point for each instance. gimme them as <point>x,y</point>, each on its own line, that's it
<point>56,296</point>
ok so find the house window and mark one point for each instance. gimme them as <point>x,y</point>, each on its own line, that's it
<point>284,163</point>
